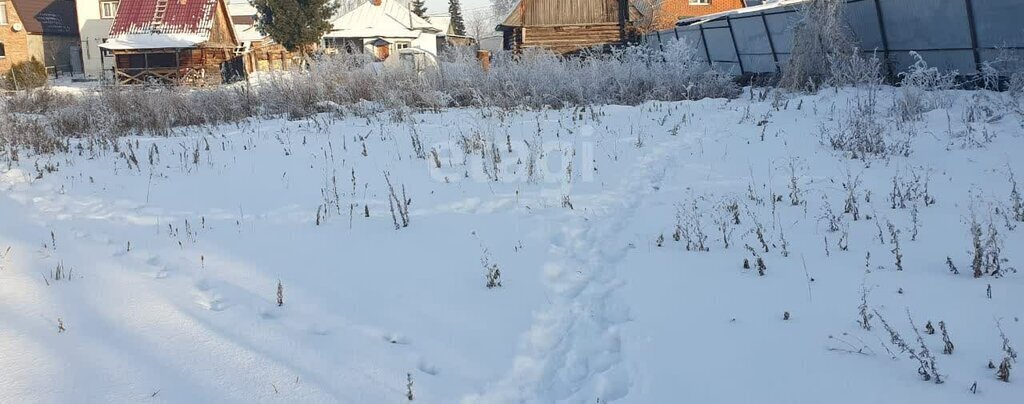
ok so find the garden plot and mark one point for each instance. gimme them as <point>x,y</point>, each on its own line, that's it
<point>486,255</point>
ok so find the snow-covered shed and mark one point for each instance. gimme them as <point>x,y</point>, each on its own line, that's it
<point>174,42</point>
<point>383,28</point>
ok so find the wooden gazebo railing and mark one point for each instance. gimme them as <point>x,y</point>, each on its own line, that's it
<point>158,75</point>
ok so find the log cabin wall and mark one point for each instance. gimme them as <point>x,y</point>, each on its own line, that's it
<point>563,12</point>
<point>566,26</point>
<point>570,38</point>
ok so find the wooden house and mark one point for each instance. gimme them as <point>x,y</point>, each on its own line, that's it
<point>566,26</point>
<point>260,51</point>
<point>190,42</point>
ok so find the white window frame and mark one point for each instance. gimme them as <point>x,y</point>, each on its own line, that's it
<point>105,11</point>
<point>403,45</point>
<point>700,2</point>
<point>3,13</point>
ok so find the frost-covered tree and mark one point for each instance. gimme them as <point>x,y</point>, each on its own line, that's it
<point>480,23</point>
<point>501,8</point>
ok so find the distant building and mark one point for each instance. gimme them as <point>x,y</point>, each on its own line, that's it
<point>174,42</point>
<point>568,25</point>
<point>94,20</point>
<point>260,51</point>
<point>42,29</point>
<point>383,28</point>
<point>492,43</point>
<point>447,36</point>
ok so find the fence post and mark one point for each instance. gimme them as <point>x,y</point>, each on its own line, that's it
<point>974,34</point>
<point>675,30</point>
<point>661,47</point>
<point>885,39</point>
<point>704,40</point>
<point>771,42</point>
<point>739,59</point>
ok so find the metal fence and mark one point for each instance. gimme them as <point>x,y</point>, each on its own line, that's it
<point>959,35</point>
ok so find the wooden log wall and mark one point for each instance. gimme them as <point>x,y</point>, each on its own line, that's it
<point>562,12</point>
<point>570,38</point>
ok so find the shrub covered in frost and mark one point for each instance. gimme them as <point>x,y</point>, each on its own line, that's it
<point>532,79</point>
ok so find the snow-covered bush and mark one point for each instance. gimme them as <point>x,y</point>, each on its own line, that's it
<point>27,132</point>
<point>862,133</point>
<point>921,87</point>
<point>36,101</point>
<point>854,69</point>
<point>533,79</point>
<point>822,43</point>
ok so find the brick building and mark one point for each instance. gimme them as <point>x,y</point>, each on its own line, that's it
<point>41,29</point>
<point>671,11</point>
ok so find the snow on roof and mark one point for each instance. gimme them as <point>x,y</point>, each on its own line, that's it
<point>153,41</point>
<point>249,33</point>
<point>241,9</point>
<point>183,24</point>
<point>390,19</point>
<point>440,22</point>
<point>767,5</point>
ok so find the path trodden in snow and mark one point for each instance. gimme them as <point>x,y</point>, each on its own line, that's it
<point>606,228</point>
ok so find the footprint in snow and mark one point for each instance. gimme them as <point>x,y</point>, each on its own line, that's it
<point>427,367</point>
<point>319,329</point>
<point>214,304</point>
<point>397,339</point>
<point>203,285</point>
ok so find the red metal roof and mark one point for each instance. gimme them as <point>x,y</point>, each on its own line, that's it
<point>180,17</point>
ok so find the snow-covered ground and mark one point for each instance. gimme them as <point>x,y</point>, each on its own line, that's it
<point>171,252</point>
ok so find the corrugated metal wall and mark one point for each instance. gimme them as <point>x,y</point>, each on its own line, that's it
<point>950,34</point>
<point>560,12</point>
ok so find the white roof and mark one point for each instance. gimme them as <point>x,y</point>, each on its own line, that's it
<point>153,41</point>
<point>440,22</point>
<point>390,19</point>
<point>241,9</point>
<point>248,33</point>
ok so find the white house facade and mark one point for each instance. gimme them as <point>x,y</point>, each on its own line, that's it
<point>94,20</point>
<point>384,29</point>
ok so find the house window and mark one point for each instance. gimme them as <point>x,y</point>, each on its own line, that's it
<point>700,2</point>
<point>3,51</point>
<point>3,13</point>
<point>108,9</point>
<point>402,45</point>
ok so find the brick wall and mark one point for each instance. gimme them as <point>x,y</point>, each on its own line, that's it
<point>15,43</point>
<point>672,10</point>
